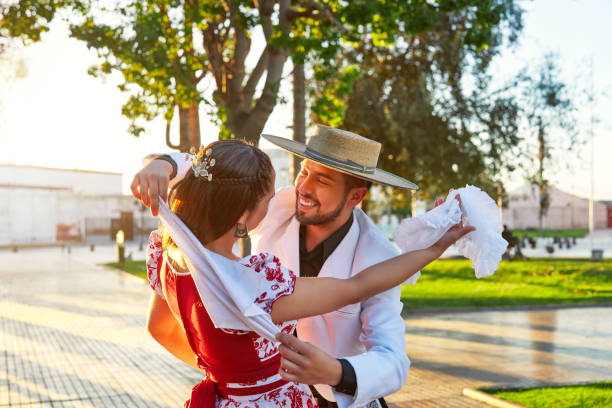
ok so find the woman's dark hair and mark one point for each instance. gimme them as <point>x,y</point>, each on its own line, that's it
<point>241,175</point>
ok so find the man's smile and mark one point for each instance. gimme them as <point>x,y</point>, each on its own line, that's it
<point>305,203</point>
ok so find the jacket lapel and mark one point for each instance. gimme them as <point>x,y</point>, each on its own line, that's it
<point>340,263</point>
<point>290,246</point>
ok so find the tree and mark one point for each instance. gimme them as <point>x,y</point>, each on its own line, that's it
<point>549,113</point>
<point>430,102</point>
<point>299,113</point>
<point>165,48</point>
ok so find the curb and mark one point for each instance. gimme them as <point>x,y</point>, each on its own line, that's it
<point>489,399</point>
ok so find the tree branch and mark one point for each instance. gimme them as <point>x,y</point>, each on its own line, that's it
<point>241,50</point>
<point>215,60</point>
<point>249,88</point>
<point>326,14</point>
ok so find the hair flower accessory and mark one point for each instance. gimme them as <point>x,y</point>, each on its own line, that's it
<point>202,163</point>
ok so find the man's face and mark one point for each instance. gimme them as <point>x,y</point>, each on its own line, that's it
<point>320,194</point>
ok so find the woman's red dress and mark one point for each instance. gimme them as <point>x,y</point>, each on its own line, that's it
<point>241,367</point>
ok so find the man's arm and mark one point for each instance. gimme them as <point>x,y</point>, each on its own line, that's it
<point>154,178</point>
<point>381,371</point>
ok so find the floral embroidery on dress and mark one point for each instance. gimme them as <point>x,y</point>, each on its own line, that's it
<point>291,395</point>
<point>280,281</point>
<point>154,253</point>
<point>266,348</point>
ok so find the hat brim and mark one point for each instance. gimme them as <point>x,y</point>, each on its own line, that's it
<point>377,176</point>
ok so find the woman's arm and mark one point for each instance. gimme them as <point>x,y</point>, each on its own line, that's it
<point>315,296</point>
<point>164,328</point>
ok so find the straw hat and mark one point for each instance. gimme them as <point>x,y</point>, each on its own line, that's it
<point>343,151</point>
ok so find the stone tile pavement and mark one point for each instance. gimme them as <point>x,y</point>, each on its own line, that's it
<point>451,351</point>
<point>71,335</point>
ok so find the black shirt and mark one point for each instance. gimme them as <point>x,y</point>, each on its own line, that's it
<point>312,262</point>
<point>310,266</point>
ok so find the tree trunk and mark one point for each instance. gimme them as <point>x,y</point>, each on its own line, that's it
<point>189,129</point>
<point>542,184</point>
<point>299,115</point>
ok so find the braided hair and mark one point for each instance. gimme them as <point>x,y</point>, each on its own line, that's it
<point>241,177</point>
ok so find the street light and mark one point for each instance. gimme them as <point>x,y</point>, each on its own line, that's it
<point>120,246</point>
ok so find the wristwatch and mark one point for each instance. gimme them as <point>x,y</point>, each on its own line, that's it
<point>348,383</point>
<point>169,159</point>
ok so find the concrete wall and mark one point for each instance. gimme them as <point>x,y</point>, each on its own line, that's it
<point>28,216</point>
<point>566,211</point>
<point>79,181</point>
<point>31,215</point>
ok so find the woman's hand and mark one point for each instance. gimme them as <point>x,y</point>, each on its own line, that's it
<point>451,236</point>
<point>150,182</point>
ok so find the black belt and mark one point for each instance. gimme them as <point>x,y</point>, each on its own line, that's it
<point>323,403</point>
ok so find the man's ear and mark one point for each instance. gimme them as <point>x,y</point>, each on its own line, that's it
<point>356,196</point>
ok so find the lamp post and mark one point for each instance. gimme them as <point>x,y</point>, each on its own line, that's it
<point>120,246</point>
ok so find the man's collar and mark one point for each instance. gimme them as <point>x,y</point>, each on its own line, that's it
<point>330,243</point>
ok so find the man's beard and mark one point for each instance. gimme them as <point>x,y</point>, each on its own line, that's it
<point>317,218</point>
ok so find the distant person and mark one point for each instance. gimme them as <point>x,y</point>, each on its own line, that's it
<point>513,242</point>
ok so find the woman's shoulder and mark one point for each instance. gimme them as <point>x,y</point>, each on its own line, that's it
<point>176,261</point>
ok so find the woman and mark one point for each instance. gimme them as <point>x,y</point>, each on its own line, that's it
<point>227,190</point>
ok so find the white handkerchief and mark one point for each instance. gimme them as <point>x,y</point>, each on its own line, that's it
<point>484,247</point>
<point>227,289</point>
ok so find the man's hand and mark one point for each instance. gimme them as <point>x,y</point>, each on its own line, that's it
<point>150,182</point>
<point>440,200</point>
<point>304,363</point>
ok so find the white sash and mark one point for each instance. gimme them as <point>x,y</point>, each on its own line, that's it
<point>227,288</point>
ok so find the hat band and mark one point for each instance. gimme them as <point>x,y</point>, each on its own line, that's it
<point>343,165</point>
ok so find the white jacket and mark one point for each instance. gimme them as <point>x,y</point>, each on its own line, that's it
<point>370,335</point>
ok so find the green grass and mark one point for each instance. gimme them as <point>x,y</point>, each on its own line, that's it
<point>597,395</point>
<point>578,233</point>
<point>137,268</point>
<point>451,283</point>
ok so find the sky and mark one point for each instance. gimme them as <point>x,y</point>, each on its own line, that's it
<point>58,116</point>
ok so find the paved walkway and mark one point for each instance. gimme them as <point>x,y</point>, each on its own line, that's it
<point>502,348</point>
<point>71,335</point>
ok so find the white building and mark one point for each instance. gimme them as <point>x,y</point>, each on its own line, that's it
<point>78,181</point>
<point>40,205</point>
<point>566,211</point>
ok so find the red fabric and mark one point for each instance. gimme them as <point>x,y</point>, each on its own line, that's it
<point>227,356</point>
<point>241,367</point>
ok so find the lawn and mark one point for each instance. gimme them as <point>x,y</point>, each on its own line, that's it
<point>597,395</point>
<point>137,268</point>
<point>567,233</point>
<point>451,283</point>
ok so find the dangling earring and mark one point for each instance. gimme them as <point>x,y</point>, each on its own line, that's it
<point>241,232</point>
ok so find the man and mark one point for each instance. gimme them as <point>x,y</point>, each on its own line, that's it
<point>316,229</point>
